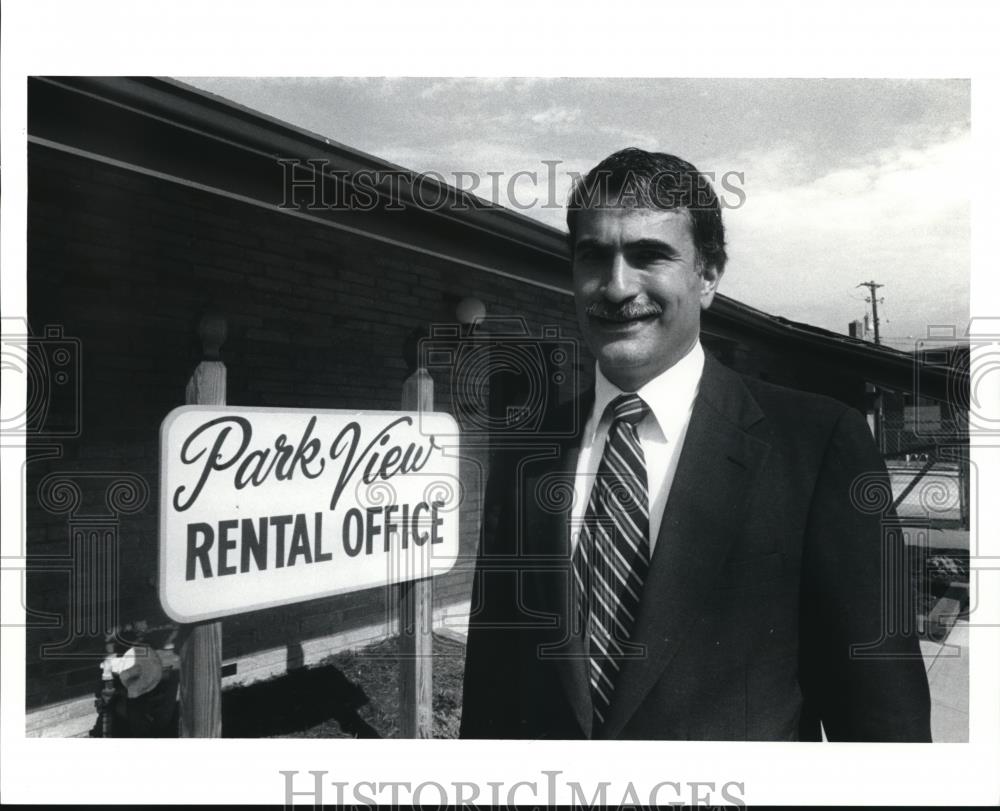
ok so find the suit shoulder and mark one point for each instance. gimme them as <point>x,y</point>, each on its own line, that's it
<point>772,397</point>
<point>802,412</point>
<point>811,428</point>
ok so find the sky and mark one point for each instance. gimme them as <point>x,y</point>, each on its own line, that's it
<point>827,182</point>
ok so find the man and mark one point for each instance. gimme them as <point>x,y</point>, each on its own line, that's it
<point>711,576</point>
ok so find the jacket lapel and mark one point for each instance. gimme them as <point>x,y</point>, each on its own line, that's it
<point>547,496</point>
<point>705,508</point>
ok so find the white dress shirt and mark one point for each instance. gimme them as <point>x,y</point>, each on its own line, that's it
<point>670,398</point>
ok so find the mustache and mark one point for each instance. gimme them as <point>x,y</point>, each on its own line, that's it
<point>629,311</point>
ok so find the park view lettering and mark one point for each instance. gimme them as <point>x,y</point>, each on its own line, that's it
<point>208,443</point>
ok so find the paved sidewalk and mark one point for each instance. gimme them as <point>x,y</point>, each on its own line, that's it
<point>948,673</point>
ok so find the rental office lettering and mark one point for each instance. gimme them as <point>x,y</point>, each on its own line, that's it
<point>262,507</point>
<point>253,468</point>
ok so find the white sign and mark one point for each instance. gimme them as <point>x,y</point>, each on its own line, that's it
<point>265,506</point>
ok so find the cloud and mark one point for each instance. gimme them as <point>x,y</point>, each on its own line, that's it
<point>625,136</point>
<point>466,86</point>
<point>434,89</point>
<point>555,116</point>
<point>800,247</point>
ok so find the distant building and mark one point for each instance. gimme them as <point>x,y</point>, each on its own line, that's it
<point>861,329</point>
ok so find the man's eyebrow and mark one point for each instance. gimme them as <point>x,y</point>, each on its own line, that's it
<point>646,244</point>
<point>652,245</point>
<point>589,242</point>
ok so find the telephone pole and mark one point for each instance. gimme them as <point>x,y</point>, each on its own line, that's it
<point>872,287</point>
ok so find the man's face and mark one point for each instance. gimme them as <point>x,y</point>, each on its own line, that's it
<point>639,289</point>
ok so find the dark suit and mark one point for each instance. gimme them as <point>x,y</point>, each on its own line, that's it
<point>763,576</point>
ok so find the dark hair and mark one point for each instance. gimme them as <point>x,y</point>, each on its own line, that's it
<point>635,178</point>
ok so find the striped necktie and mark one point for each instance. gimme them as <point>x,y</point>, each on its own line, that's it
<point>611,558</point>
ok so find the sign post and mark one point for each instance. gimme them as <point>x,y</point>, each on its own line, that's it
<point>201,649</point>
<point>416,611</point>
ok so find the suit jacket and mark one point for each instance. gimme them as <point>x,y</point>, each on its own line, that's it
<point>777,596</point>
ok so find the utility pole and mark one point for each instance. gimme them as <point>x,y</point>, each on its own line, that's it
<point>872,287</point>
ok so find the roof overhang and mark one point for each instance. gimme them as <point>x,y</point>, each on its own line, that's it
<point>167,129</point>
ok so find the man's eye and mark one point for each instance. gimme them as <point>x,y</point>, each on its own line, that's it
<point>589,254</point>
<point>650,257</point>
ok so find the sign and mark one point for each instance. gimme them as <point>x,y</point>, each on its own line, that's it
<point>262,507</point>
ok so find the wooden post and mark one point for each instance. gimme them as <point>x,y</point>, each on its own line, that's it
<point>416,612</point>
<point>201,649</point>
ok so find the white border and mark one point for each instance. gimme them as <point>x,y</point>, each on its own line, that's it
<point>762,39</point>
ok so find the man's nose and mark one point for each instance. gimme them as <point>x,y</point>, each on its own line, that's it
<point>621,281</point>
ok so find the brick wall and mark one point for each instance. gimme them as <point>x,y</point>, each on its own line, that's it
<point>317,318</point>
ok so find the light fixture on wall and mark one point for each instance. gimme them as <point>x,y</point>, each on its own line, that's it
<point>470,310</point>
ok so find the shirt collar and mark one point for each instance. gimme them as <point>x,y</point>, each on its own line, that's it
<point>669,395</point>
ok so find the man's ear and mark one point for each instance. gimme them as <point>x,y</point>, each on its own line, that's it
<point>710,278</point>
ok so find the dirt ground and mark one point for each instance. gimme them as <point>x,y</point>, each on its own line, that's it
<point>350,695</point>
